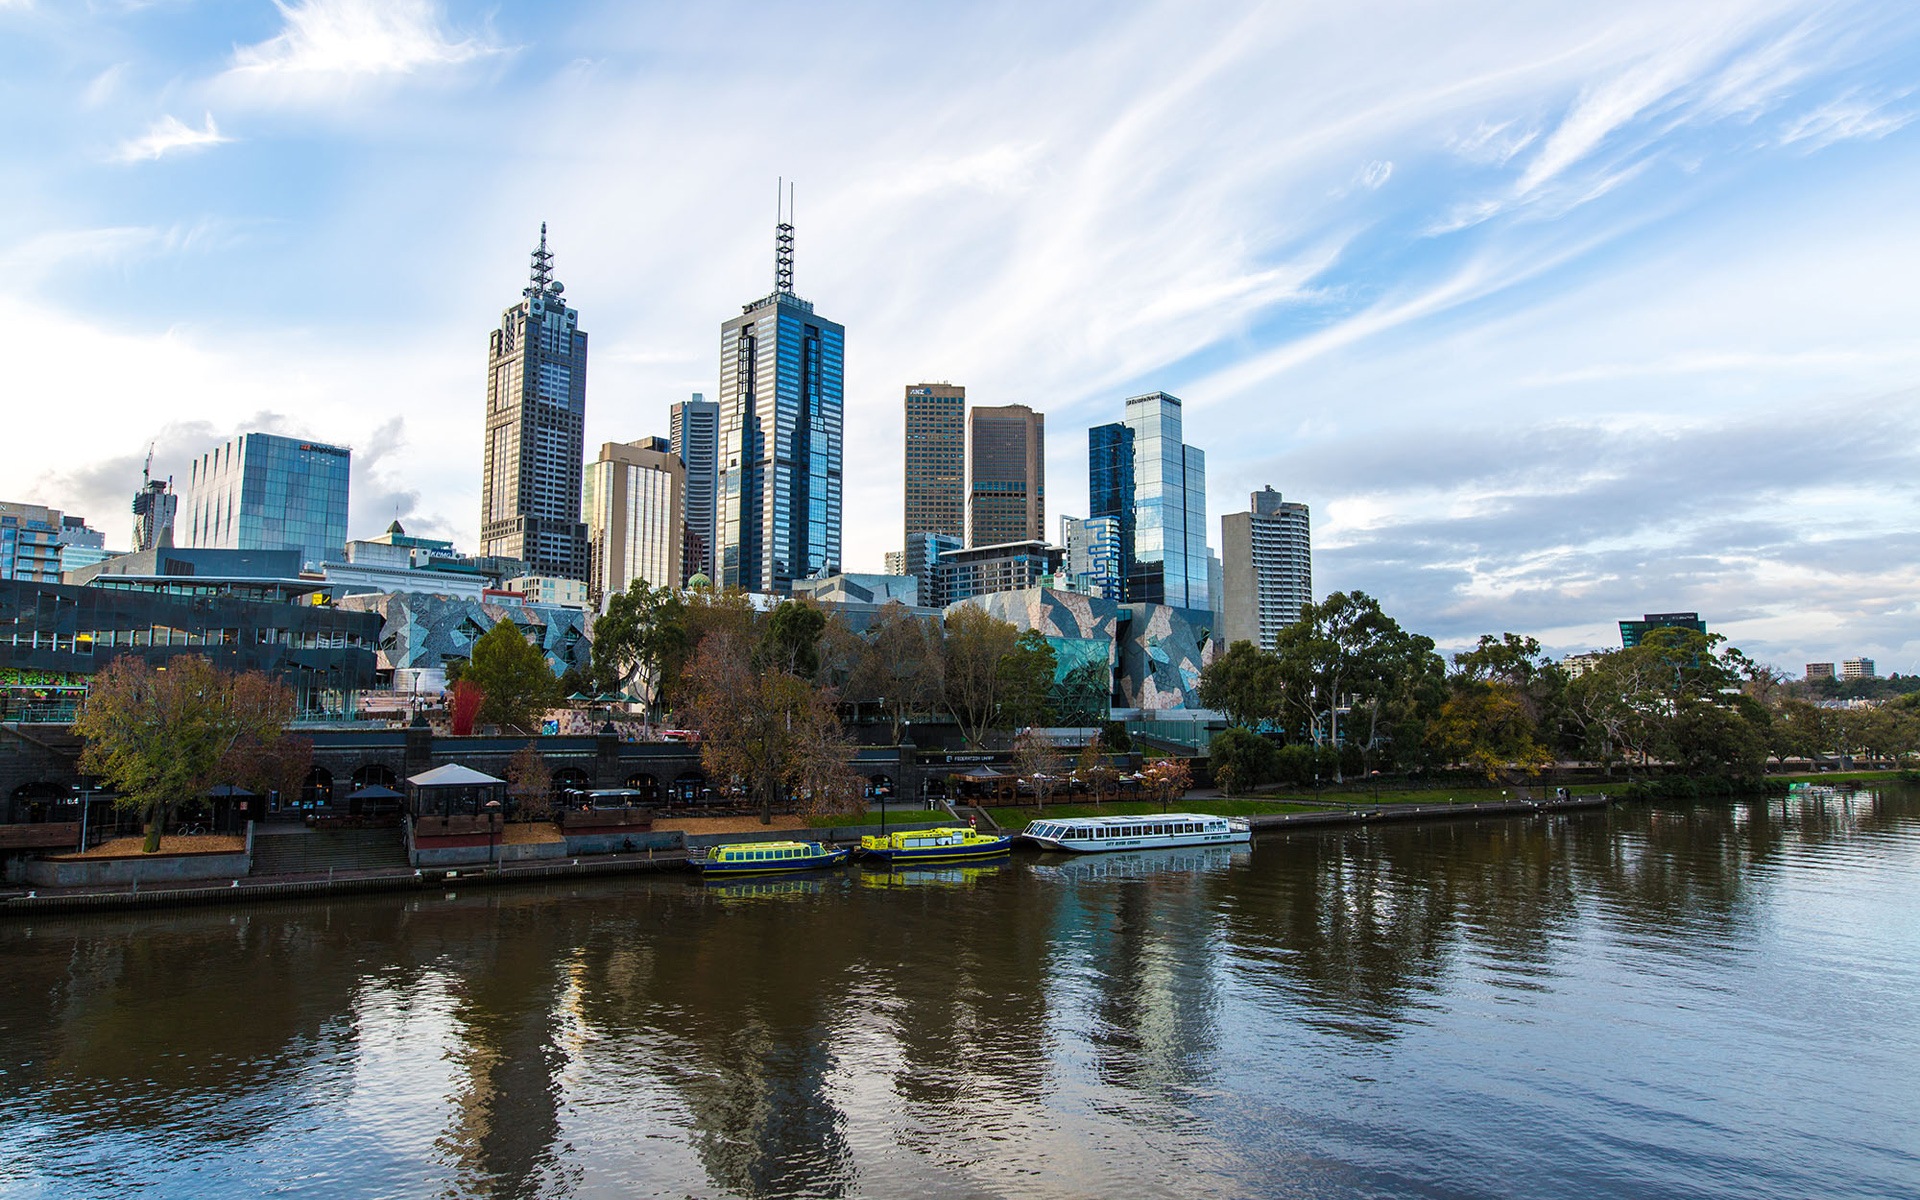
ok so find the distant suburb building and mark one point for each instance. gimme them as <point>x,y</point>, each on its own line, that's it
<point>936,460</point>
<point>1267,568</point>
<point>1006,475</point>
<point>263,491</point>
<point>1857,668</point>
<point>1632,631</point>
<point>634,502</point>
<point>536,430</point>
<point>1818,671</point>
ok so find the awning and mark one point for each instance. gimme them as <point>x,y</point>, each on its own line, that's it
<point>374,791</point>
<point>452,775</point>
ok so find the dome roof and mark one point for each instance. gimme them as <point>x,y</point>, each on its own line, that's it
<point>699,580</point>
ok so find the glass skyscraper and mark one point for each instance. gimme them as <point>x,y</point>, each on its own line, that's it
<point>536,430</point>
<point>1110,498</point>
<point>695,434</point>
<point>1155,486</point>
<point>262,491</point>
<point>781,400</point>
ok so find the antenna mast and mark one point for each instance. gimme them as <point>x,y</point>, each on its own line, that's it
<point>783,239</point>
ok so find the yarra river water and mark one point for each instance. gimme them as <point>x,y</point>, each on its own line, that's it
<point>1715,1001</point>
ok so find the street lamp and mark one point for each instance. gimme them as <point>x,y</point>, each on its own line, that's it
<point>493,834</point>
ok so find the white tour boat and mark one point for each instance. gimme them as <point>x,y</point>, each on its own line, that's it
<point>1137,833</point>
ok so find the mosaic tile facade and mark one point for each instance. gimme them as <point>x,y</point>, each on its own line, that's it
<point>422,630</point>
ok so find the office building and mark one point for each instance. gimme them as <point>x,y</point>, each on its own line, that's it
<point>154,506</point>
<point>936,460</point>
<point>982,570</point>
<point>30,542</point>
<point>634,502</point>
<point>1093,557</point>
<point>549,590</point>
<point>781,398</point>
<point>1857,668</point>
<point>921,560</point>
<point>1266,569</point>
<point>695,433</point>
<point>1819,671</point>
<point>1006,475</point>
<point>262,491</point>
<point>1631,632</point>
<point>1154,485</point>
<point>81,546</point>
<point>535,430</point>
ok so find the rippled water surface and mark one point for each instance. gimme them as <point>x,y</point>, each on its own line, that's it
<point>1712,1001</point>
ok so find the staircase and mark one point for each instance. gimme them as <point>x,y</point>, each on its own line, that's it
<point>308,852</point>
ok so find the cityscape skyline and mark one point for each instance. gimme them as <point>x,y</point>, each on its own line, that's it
<point>1606,335</point>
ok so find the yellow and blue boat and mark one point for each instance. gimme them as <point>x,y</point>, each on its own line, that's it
<point>767,858</point>
<point>952,843</point>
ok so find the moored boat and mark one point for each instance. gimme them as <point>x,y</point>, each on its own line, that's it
<point>1166,830</point>
<point>768,858</point>
<point>953,843</point>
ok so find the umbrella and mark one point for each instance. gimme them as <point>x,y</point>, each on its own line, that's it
<point>374,791</point>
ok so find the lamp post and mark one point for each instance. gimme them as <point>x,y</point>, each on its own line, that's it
<point>493,834</point>
<point>86,803</point>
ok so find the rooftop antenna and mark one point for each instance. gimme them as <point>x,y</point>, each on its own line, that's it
<point>542,267</point>
<point>783,239</point>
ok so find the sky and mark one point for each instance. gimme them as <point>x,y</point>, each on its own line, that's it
<point>1553,313</point>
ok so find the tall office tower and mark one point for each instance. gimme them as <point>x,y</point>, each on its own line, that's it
<point>696,439</point>
<point>936,460</point>
<point>780,437</point>
<point>1170,507</point>
<point>1110,498</point>
<point>153,510</point>
<point>1006,475</point>
<point>536,430</point>
<point>633,499</point>
<point>262,491</point>
<point>1267,569</point>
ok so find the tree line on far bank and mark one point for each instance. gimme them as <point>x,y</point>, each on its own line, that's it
<point>1346,689</point>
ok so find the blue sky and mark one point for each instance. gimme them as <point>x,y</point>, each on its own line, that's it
<point>1554,313</point>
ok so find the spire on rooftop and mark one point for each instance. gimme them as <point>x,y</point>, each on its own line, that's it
<point>783,239</point>
<point>543,282</point>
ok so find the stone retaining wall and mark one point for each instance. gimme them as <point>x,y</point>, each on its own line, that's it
<point>147,868</point>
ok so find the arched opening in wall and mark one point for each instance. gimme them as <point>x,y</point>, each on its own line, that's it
<point>690,787</point>
<point>880,787</point>
<point>318,790</point>
<point>646,785</point>
<point>569,788</point>
<point>44,800</point>
<point>936,788</point>
<point>375,775</point>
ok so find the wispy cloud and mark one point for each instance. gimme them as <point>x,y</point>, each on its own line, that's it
<point>357,38</point>
<point>1844,119</point>
<point>170,135</point>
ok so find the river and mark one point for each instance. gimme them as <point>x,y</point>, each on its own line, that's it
<point>1709,1001</point>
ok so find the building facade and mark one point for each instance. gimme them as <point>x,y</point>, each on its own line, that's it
<point>1169,554</point>
<point>1632,631</point>
<point>30,542</point>
<point>535,430</point>
<point>1006,475</point>
<point>1266,568</point>
<point>983,570</point>
<point>1858,668</point>
<point>635,504</point>
<point>695,436</point>
<point>1819,671</point>
<point>262,491</point>
<point>154,508</point>
<point>936,460</point>
<point>1094,562</point>
<point>781,401</point>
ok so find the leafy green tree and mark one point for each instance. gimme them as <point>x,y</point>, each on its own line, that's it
<point>1243,683</point>
<point>1026,682</point>
<point>1241,759</point>
<point>791,640</point>
<point>1341,654</point>
<point>640,637</point>
<point>513,675</point>
<point>162,736</point>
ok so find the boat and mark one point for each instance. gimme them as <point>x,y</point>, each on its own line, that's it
<point>1167,830</point>
<point>946,844</point>
<point>767,858</point>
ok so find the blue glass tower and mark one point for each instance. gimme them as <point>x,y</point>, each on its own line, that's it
<point>1155,486</point>
<point>781,401</point>
<point>261,491</point>
<point>1110,500</point>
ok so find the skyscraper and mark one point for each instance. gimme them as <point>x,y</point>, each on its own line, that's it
<point>634,502</point>
<point>695,435</point>
<point>1110,498</point>
<point>536,429</point>
<point>262,491</point>
<point>780,437</point>
<point>1170,507</point>
<point>1267,569</point>
<point>936,449</point>
<point>153,511</point>
<point>1006,475</point>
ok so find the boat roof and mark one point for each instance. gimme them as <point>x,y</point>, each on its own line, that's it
<point>937,831</point>
<point>1141,819</point>
<point>766,845</point>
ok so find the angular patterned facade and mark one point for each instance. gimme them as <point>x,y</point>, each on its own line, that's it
<point>421,631</point>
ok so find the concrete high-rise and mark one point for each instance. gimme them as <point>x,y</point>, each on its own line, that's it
<point>1006,475</point>
<point>536,430</point>
<point>781,402</point>
<point>633,499</point>
<point>154,506</point>
<point>695,435</point>
<point>262,491</point>
<point>1266,570</point>
<point>936,460</point>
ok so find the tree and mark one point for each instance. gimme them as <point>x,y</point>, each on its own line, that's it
<point>1340,653</point>
<point>1241,759</point>
<point>769,730</point>
<point>1486,727</point>
<point>791,640</point>
<point>465,701</point>
<point>1093,769</point>
<point>1026,682</point>
<point>636,640</point>
<point>516,683</point>
<point>159,736</point>
<point>975,645</point>
<point>1243,683</point>
<point>530,783</point>
<point>1038,760</point>
<point>1166,778</point>
<point>901,665</point>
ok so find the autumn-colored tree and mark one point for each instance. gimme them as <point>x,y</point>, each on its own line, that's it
<point>1093,769</point>
<point>1166,778</point>
<point>902,666</point>
<point>464,703</point>
<point>161,736</point>
<point>530,783</point>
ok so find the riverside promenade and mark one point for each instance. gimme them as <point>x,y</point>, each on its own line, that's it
<point>252,889</point>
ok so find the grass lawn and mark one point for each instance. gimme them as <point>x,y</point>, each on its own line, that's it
<point>1838,777</point>
<point>1017,817</point>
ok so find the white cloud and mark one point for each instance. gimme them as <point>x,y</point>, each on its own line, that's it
<point>1375,174</point>
<point>168,135</point>
<point>356,38</point>
<point>1844,119</point>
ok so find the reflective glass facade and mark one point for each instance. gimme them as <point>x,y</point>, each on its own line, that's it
<point>781,403</point>
<point>261,491</point>
<point>1170,507</point>
<point>695,435</point>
